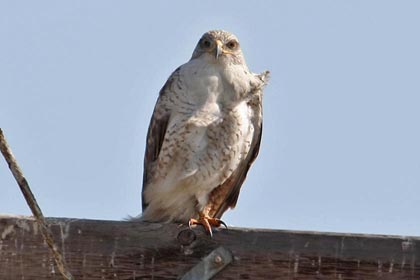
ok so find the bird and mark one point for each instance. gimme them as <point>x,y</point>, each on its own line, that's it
<point>204,134</point>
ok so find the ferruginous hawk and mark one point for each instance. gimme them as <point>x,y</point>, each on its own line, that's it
<point>204,134</point>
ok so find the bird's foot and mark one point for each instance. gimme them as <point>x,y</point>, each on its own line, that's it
<point>207,222</point>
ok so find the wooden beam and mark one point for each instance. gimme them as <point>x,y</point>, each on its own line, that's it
<point>96,249</point>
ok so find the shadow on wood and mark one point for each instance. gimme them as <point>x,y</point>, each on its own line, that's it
<point>131,250</point>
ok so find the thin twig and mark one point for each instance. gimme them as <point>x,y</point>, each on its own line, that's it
<point>31,201</point>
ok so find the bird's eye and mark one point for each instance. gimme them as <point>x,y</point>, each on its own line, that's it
<point>232,44</point>
<point>206,43</point>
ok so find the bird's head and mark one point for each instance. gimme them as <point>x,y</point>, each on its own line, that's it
<point>219,46</point>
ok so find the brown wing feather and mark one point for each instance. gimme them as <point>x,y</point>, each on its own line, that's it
<point>156,133</point>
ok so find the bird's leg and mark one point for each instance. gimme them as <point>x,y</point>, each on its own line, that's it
<point>207,222</point>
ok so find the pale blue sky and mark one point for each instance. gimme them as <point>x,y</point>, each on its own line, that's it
<point>340,149</point>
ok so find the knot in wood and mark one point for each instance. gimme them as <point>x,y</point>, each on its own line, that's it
<point>186,237</point>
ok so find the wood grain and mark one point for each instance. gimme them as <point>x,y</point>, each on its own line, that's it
<point>96,249</point>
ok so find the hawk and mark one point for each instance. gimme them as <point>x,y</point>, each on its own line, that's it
<point>204,135</point>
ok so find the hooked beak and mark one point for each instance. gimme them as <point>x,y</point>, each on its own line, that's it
<point>219,49</point>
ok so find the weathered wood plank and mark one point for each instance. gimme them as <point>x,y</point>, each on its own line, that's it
<point>127,250</point>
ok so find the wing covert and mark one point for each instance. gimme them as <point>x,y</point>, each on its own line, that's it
<point>156,132</point>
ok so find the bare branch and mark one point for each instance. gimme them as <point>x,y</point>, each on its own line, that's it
<point>33,205</point>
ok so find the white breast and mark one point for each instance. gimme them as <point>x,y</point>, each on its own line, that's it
<point>211,134</point>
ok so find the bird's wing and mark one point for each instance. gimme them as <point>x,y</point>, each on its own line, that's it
<point>156,132</point>
<point>226,195</point>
